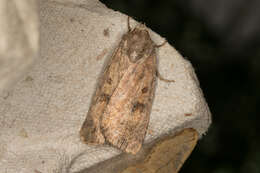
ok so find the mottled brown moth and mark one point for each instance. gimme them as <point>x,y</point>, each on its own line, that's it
<point>120,110</point>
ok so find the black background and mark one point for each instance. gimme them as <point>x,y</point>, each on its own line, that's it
<point>221,39</point>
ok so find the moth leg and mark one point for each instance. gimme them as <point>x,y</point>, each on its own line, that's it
<point>161,78</point>
<point>160,45</point>
<point>128,24</point>
<point>157,71</point>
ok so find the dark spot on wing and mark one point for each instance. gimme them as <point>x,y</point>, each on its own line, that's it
<point>144,90</point>
<point>104,98</point>
<point>138,107</point>
<point>109,81</point>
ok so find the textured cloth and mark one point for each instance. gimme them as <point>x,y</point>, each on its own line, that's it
<point>41,114</point>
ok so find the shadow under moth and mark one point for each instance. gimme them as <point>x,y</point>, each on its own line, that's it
<point>120,110</point>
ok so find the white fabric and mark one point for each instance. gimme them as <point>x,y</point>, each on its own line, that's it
<point>41,114</point>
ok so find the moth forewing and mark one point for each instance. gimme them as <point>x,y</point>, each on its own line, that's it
<point>125,120</point>
<point>120,110</point>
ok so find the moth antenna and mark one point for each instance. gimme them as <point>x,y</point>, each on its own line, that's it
<point>160,45</point>
<point>128,24</point>
<point>162,78</point>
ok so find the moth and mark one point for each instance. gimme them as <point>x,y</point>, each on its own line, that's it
<point>120,110</point>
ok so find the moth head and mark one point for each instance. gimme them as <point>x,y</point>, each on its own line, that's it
<point>138,43</point>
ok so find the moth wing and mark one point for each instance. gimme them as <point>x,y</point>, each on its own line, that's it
<point>126,117</point>
<point>90,132</point>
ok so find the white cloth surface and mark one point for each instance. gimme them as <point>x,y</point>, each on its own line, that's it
<point>19,43</point>
<point>41,114</point>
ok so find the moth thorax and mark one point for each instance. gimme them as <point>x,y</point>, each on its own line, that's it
<point>138,51</point>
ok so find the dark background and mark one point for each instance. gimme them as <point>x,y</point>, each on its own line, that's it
<point>221,38</point>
